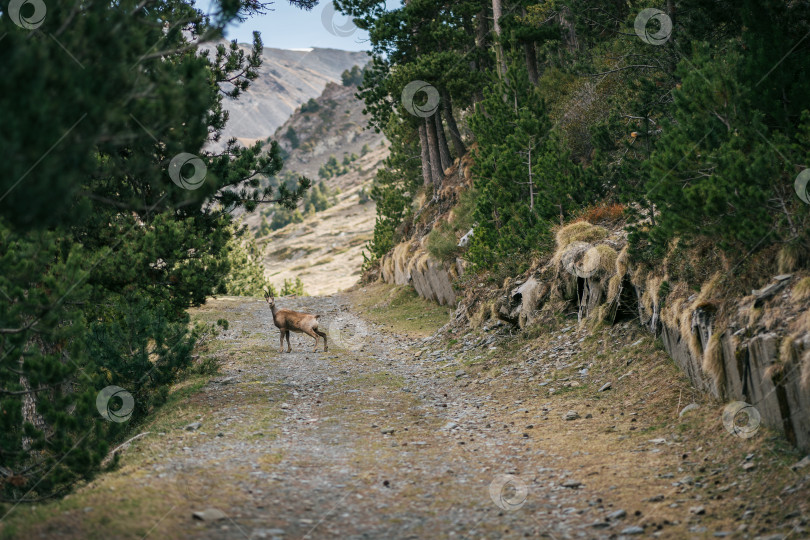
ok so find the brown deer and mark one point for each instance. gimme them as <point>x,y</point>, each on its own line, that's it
<point>286,321</point>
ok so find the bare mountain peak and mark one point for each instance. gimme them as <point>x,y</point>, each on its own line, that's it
<point>287,79</point>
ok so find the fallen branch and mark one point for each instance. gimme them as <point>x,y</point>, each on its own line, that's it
<point>122,446</point>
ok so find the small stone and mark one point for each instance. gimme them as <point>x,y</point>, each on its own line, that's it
<point>635,529</point>
<point>450,425</point>
<point>748,466</point>
<point>460,373</point>
<point>655,498</point>
<point>571,415</point>
<point>210,514</point>
<point>387,431</point>
<point>285,405</point>
<point>618,514</point>
<point>600,525</point>
<point>589,415</point>
<point>697,510</point>
<point>571,484</point>
<point>690,407</point>
<point>605,386</point>
<point>194,426</point>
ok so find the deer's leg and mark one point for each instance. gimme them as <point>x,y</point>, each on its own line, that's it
<point>313,334</point>
<point>281,347</point>
<point>323,335</point>
<point>289,347</point>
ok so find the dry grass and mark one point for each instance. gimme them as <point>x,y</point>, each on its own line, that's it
<point>580,231</point>
<point>712,363</point>
<point>801,290</point>
<point>399,309</point>
<point>614,287</point>
<point>610,214</point>
<point>622,261</point>
<point>805,375</point>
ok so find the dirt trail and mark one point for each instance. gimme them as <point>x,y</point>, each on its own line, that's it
<point>373,445</point>
<point>389,436</point>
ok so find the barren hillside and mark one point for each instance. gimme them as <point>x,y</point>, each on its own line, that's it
<point>325,249</point>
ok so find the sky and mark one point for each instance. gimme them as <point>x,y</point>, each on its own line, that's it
<point>288,27</point>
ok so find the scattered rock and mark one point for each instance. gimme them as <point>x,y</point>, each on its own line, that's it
<point>450,425</point>
<point>697,510</point>
<point>285,405</point>
<point>571,484</point>
<point>387,431</point>
<point>210,514</point>
<point>618,514</point>
<point>194,426</point>
<point>747,466</point>
<point>571,415</point>
<point>605,386</point>
<point>460,373</point>
<point>634,529</point>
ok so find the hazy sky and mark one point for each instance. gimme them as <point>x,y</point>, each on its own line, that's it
<point>288,27</point>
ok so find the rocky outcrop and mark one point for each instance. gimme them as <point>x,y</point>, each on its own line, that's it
<point>754,349</point>
<point>409,264</point>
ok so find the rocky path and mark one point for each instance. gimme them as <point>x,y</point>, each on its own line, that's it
<point>372,444</point>
<point>387,436</point>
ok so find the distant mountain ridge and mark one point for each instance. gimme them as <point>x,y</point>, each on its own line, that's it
<point>287,78</point>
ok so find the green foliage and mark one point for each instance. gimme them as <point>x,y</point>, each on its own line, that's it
<point>292,287</point>
<point>513,213</point>
<point>332,168</point>
<point>319,198</point>
<point>352,77</point>
<point>699,136</point>
<point>442,242</point>
<point>101,252</point>
<point>284,216</point>
<point>246,275</point>
<point>291,136</point>
<point>395,184</point>
<point>310,106</point>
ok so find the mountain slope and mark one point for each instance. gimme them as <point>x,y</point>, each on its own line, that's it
<point>287,78</point>
<point>325,249</point>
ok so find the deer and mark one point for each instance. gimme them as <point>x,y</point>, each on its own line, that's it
<point>287,321</point>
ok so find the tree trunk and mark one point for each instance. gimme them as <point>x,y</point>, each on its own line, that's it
<point>455,135</point>
<point>531,63</point>
<point>531,181</point>
<point>566,21</point>
<point>531,59</point>
<point>481,33</point>
<point>425,156</point>
<point>433,150</point>
<point>444,151</point>
<point>497,12</point>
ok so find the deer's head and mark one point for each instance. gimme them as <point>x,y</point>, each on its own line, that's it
<point>270,300</point>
